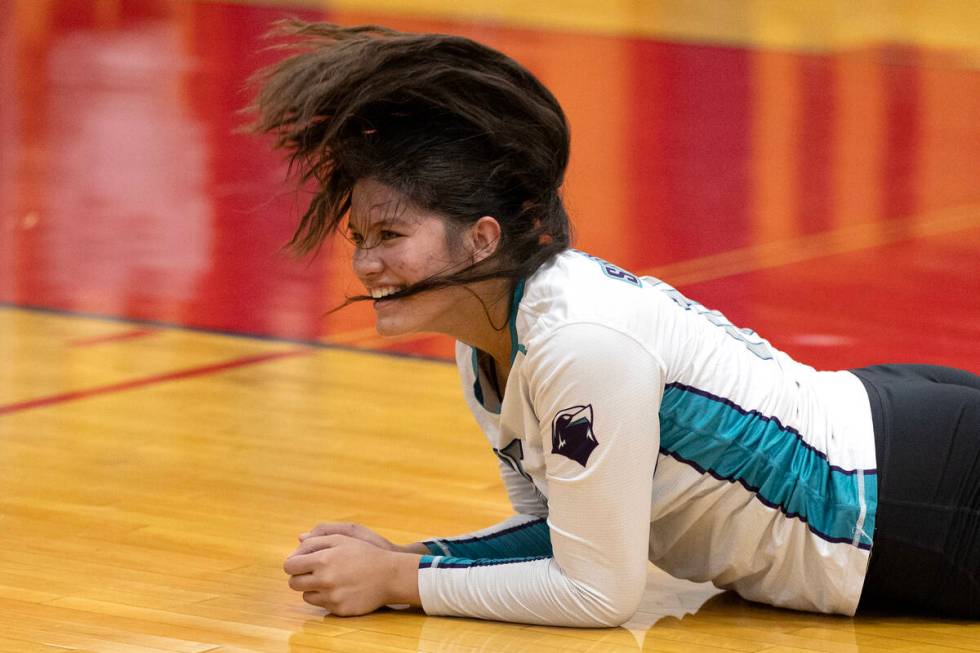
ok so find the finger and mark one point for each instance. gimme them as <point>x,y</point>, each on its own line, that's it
<point>313,544</point>
<point>316,598</point>
<point>319,543</point>
<point>330,528</point>
<point>304,583</point>
<point>303,564</point>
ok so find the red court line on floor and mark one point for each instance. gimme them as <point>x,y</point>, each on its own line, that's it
<point>112,337</point>
<point>150,380</point>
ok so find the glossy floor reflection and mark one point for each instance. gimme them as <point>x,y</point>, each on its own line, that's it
<point>666,600</point>
<point>127,191</point>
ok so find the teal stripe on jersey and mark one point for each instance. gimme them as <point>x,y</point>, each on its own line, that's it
<point>529,539</point>
<point>718,437</point>
<point>436,547</point>
<point>463,563</point>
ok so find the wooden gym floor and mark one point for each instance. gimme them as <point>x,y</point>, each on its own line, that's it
<point>175,406</point>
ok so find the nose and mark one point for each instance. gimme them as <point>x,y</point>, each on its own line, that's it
<point>367,263</point>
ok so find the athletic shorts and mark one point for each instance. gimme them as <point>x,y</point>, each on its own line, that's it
<point>925,553</point>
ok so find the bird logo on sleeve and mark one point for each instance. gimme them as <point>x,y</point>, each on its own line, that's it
<point>572,435</point>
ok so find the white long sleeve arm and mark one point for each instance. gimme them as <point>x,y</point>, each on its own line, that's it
<point>592,394</point>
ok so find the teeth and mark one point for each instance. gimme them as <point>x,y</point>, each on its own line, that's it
<point>383,291</point>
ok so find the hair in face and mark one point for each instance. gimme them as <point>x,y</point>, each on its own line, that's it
<point>456,127</point>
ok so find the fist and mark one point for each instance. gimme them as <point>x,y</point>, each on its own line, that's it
<point>350,576</point>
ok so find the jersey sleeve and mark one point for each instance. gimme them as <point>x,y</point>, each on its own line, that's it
<point>596,394</point>
<point>521,536</point>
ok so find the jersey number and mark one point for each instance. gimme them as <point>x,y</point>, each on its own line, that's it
<point>614,271</point>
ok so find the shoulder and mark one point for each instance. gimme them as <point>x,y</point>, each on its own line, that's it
<point>591,354</point>
<point>577,288</point>
<point>574,275</point>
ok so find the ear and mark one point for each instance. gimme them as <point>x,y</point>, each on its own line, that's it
<point>483,238</point>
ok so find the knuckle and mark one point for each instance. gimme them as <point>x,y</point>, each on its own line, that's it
<point>343,605</point>
<point>335,601</point>
<point>324,578</point>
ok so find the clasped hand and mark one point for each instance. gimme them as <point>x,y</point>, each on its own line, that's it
<point>351,570</point>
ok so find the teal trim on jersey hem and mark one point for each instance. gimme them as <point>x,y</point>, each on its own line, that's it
<point>514,305</point>
<point>769,460</point>
<point>530,539</point>
<point>425,562</point>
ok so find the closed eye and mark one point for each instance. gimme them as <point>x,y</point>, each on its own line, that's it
<point>385,235</point>
<point>356,238</point>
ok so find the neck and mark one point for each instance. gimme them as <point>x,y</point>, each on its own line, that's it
<point>483,319</point>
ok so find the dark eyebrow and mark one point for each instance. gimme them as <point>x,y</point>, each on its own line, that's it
<point>385,223</point>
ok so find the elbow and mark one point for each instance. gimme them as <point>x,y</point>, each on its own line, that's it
<point>621,614</point>
<point>618,613</point>
<point>609,607</point>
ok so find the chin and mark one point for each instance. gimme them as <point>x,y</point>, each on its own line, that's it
<point>401,319</point>
<point>392,327</point>
<point>386,330</point>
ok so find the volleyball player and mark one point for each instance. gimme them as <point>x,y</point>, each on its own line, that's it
<point>631,423</point>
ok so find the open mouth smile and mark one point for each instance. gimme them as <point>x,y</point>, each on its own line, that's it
<point>381,292</point>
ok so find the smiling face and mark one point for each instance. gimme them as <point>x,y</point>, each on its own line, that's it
<point>398,245</point>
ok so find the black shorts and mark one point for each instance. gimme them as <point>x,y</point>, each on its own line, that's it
<point>925,553</point>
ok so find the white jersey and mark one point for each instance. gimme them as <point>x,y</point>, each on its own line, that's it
<point>637,425</point>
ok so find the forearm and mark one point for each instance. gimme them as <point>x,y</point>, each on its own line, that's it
<point>527,591</point>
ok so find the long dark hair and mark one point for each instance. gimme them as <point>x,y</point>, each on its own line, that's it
<point>456,127</point>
